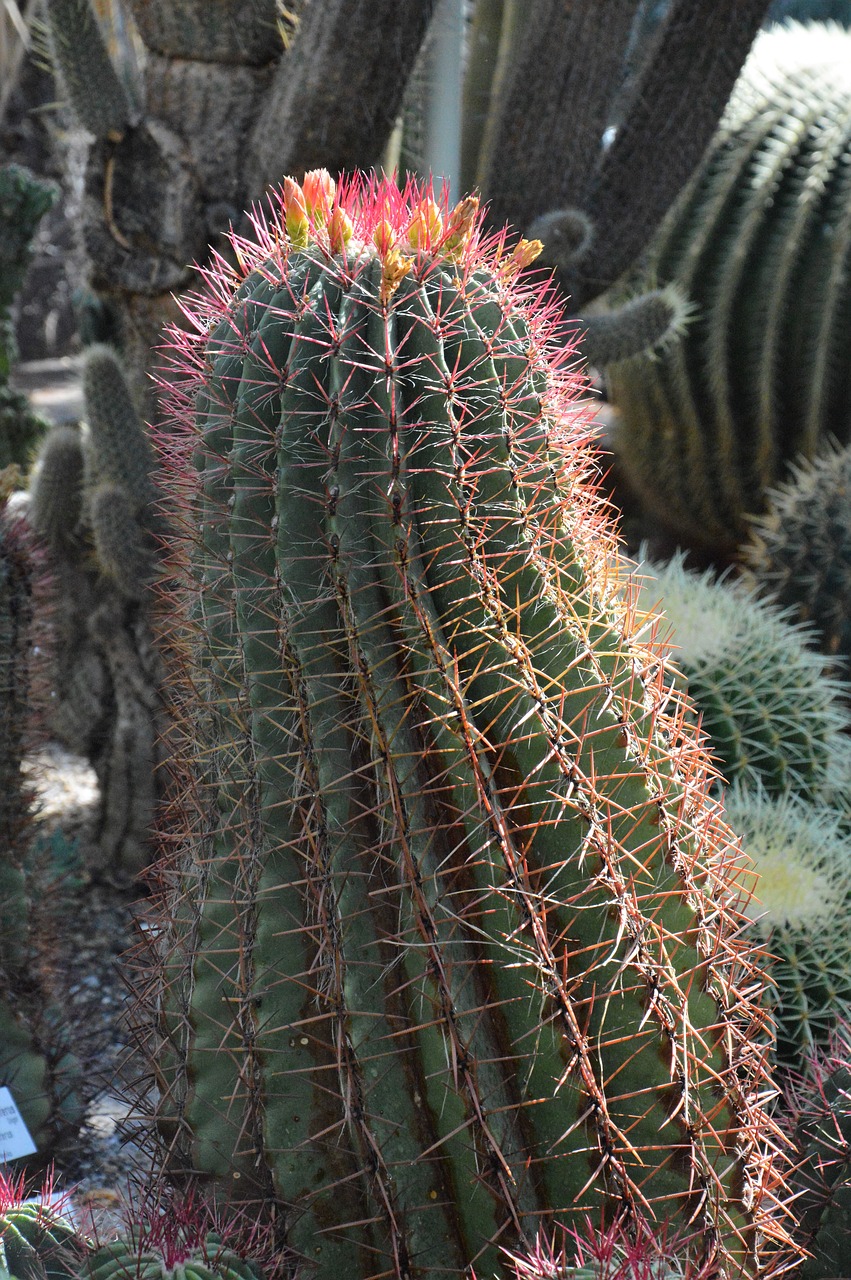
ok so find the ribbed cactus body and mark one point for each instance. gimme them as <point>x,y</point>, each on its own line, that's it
<point>36,1241</point>
<point>802,857</point>
<point>774,711</point>
<point>130,1255</point>
<point>760,242</point>
<point>446,956</point>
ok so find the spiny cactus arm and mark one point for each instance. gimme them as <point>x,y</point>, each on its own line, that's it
<point>553,107</point>
<point>566,235</point>
<point>649,322</point>
<point>338,88</point>
<point>117,450</point>
<point>98,98</point>
<point>119,540</point>
<point>56,488</point>
<point>679,96</point>
<point>238,31</point>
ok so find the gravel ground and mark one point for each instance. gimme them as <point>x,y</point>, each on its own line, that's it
<point>99,924</point>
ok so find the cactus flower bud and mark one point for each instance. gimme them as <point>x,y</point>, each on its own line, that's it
<point>319,190</point>
<point>426,225</point>
<point>340,229</point>
<point>295,214</point>
<point>460,225</point>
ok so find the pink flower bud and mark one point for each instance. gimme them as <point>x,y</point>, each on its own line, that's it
<point>319,189</point>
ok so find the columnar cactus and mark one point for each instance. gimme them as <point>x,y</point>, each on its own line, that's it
<point>24,200</point>
<point>34,1060</point>
<point>760,241</point>
<point>448,946</point>
<point>93,502</point>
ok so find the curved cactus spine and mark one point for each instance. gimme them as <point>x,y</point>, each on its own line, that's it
<point>772,708</point>
<point>761,375</point>
<point>802,857</point>
<point>97,96</point>
<point>434,802</point>
<point>799,553</point>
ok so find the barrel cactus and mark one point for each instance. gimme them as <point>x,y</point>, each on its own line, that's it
<point>773,709</point>
<point>760,241</point>
<point>799,553</point>
<point>446,944</point>
<point>819,1106</point>
<point>801,854</point>
<point>38,1241</point>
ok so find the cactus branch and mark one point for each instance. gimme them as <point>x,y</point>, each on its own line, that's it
<point>338,88</point>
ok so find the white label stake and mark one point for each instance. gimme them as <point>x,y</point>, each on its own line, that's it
<point>15,1140</point>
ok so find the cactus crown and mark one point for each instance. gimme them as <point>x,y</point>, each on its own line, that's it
<point>442,906</point>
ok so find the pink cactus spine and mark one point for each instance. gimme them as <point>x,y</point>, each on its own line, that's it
<point>448,942</point>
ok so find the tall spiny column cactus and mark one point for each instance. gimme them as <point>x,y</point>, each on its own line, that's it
<point>451,947</point>
<point>92,500</point>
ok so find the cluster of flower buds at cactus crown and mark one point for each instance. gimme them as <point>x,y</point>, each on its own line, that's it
<point>318,211</point>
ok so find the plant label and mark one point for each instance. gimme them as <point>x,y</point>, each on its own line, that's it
<point>15,1140</point>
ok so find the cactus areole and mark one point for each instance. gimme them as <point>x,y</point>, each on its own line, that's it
<point>448,953</point>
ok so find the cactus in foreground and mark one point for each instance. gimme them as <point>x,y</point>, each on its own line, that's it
<point>37,1240</point>
<point>772,708</point>
<point>760,241</point>
<point>444,956</point>
<point>92,500</point>
<point>799,553</point>
<point>819,1104</point>
<point>800,910</point>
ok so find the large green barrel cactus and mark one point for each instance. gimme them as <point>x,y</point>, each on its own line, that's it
<point>448,946</point>
<point>760,241</point>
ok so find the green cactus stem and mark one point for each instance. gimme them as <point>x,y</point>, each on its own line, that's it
<point>761,242</point>
<point>650,322</point>
<point>444,956</point>
<point>56,489</point>
<point>773,709</point>
<point>95,92</point>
